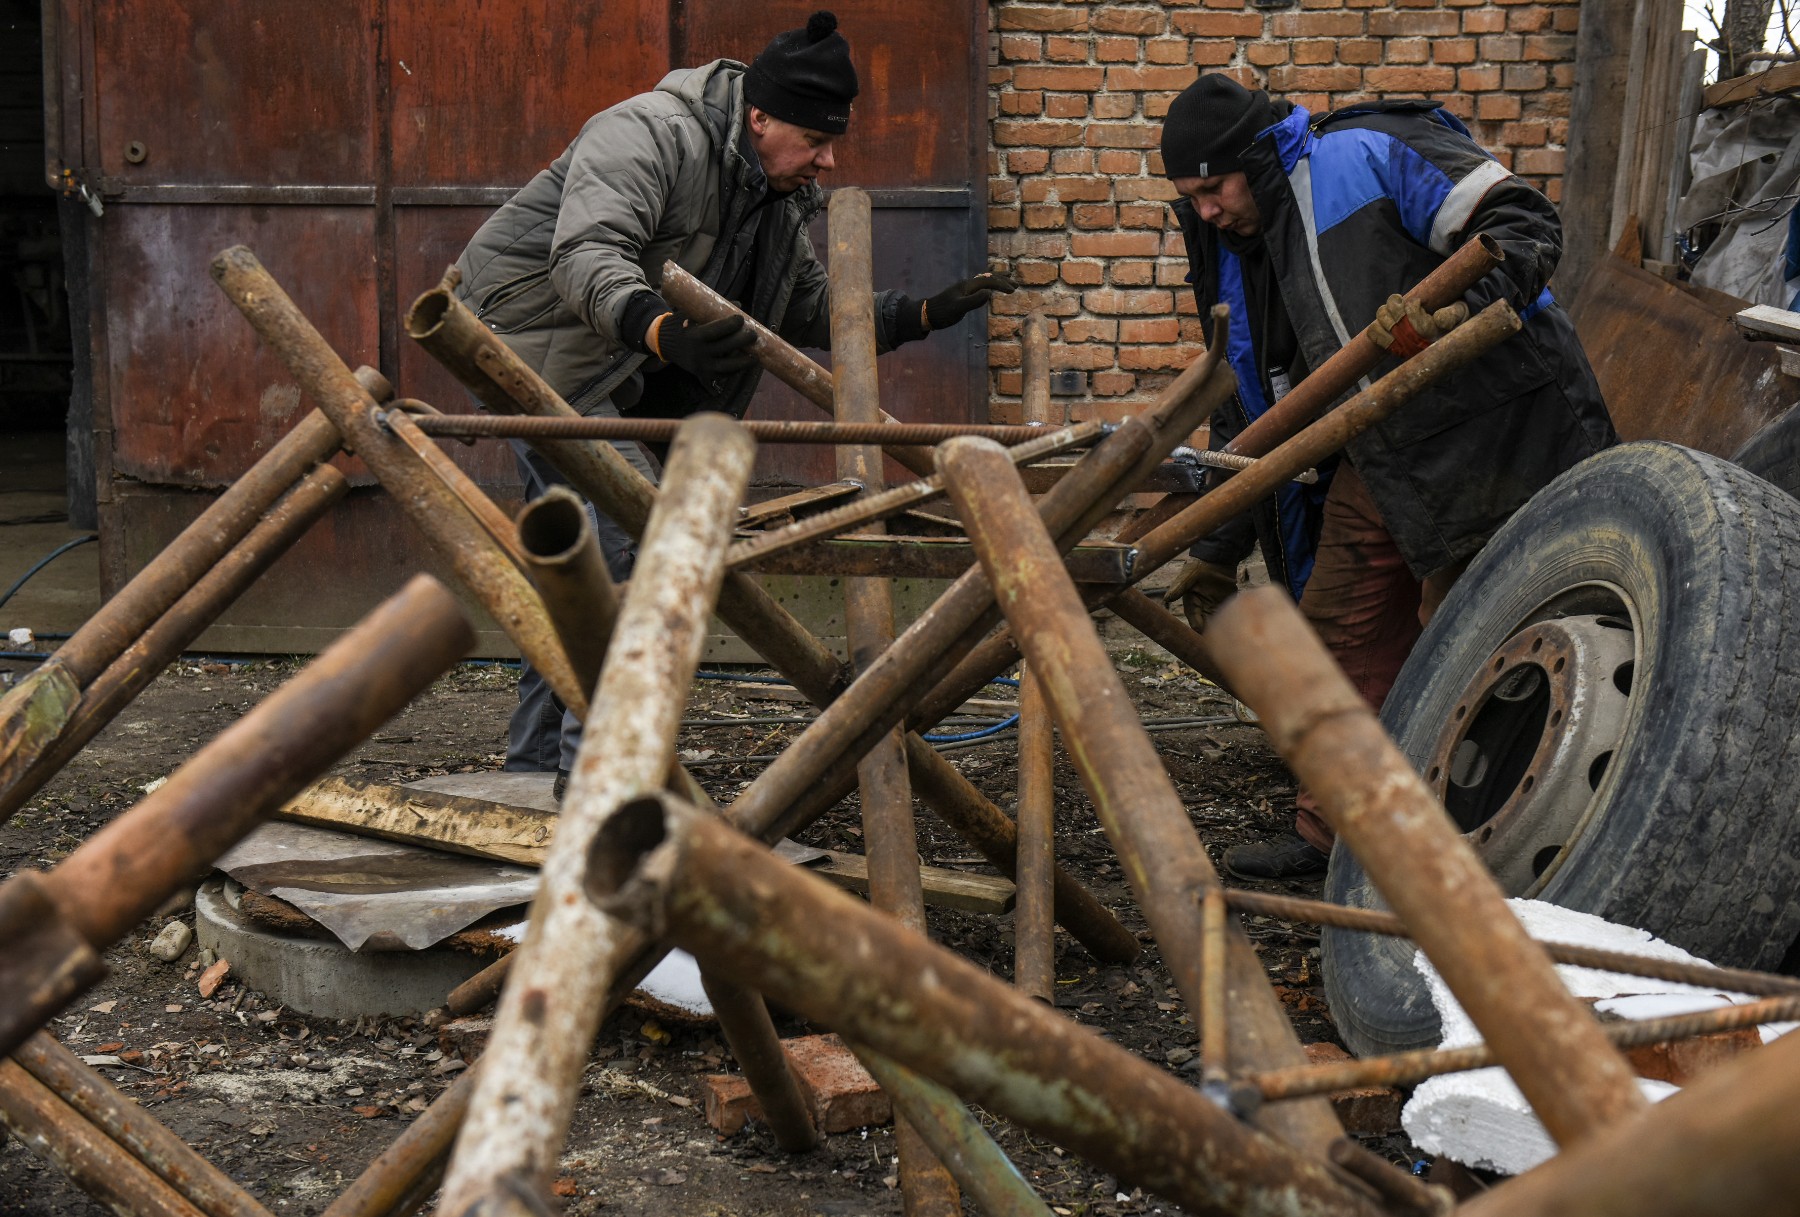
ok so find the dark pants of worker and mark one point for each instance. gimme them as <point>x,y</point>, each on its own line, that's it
<point>1367,607</point>
<point>543,735</point>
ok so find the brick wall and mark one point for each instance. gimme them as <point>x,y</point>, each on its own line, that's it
<point>1078,206</point>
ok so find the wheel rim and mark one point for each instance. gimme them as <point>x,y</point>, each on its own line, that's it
<point>1527,750</point>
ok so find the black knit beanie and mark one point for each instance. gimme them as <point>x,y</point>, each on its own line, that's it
<point>1211,125</point>
<point>805,77</point>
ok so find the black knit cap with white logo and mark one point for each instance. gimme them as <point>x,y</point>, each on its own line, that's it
<point>1210,126</point>
<point>805,77</point>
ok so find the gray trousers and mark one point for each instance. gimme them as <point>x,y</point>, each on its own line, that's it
<point>543,735</point>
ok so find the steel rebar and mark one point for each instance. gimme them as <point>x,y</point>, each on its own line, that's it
<point>763,431</point>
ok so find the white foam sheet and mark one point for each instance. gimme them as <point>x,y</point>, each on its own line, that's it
<point>1479,1118</point>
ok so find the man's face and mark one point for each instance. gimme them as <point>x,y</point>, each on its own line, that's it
<point>791,156</point>
<point>1224,201</point>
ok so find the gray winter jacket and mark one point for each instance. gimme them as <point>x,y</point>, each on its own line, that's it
<point>662,175</point>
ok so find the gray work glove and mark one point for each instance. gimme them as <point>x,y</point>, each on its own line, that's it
<point>1202,587</point>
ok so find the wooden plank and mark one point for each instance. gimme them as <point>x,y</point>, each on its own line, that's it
<point>1783,78</point>
<point>1602,59</point>
<point>1767,321</point>
<point>782,510</point>
<point>483,829</point>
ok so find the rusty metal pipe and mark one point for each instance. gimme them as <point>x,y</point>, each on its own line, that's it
<point>1458,273</point>
<point>1430,876</point>
<point>118,876</point>
<point>1167,631</point>
<point>562,556</point>
<point>96,1163</point>
<point>1034,920</point>
<point>405,1174</point>
<point>889,837</point>
<point>1137,804</point>
<point>1321,439</point>
<point>744,1018</point>
<point>763,431</point>
<point>674,873</point>
<point>552,1007</point>
<point>1723,1147</point>
<point>1411,1068</point>
<point>172,633</point>
<point>493,521</point>
<point>979,1166</point>
<point>1215,1038</point>
<point>811,381</point>
<point>141,1135</point>
<point>1580,955</point>
<point>447,523</point>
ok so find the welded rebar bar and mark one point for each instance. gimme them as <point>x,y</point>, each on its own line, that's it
<point>1575,1080</point>
<point>764,431</point>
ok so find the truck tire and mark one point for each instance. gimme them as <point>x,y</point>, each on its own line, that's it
<point>1649,772</point>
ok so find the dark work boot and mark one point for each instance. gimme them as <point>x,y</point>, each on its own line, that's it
<point>1284,857</point>
<point>561,784</point>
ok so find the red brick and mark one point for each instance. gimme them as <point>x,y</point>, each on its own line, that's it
<point>1095,215</point>
<point>1064,79</point>
<point>1528,20</point>
<point>1166,50</point>
<point>1317,25</point>
<point>1559,48</point>
<point>1115,161</point>
<point>1566,20</point>
<point>1037,134</point>
<point>1046,215</point>
<point>1539,160</point>
<point>1114,105</point>
<point>1562,76</point>
<point>1004,355</point>
<point>1370,1110</point>
<point>1154,359</point>
<point>1123,135</point>
<point>1049,303</point>
<point>1219,25</point>
<point>842,1094</point>
<point>1559,130</point>
<point>1143,215</point>
<point>1027,160</point>
<point>1116,19</point>
<point>1502,48</point>
<point>1497,106</point>
<point>1360,50</point>
<point>1117,50</point>
<point>1163,329</point>
<point>1172,78</point>
<point>1408,50</point>
<point>1029,245</point>
<point>1003,217</point>
<point>1410,80</point>
<point>1156,105</point>
<point>1083,274</point>
<point>1015,104</point>
<point>1321,50</point>
<point>1066,105</point>
<point>1089,357</point>
<point>1453,50</point>
<point>1291,79</point>
<point>1478,80</point>
<point>1009,382</point>
<point>1322,4</point>
<point>1059,49</point>
<point>1459,104</point>
<point>1525,135</point>
<point>1072,161</point>
<point>1266,54</point>
<point>1553,190</point>
<point>1171,273</point>
<point>1132,272</point>
<point>729,1103</point>
<point>1113,384</point>
<point>1487,21</point>
<point>1031,17</point>
<point>1212,53</point>
<point>1034,274</point>
<point>1524,77</point>
<point>1110,302</point>
<point>1002,190</point>
<point>1021,46</point>
<point>1414,25</point>
<point>1088,329</point>
<point>1158,188</point>
<point>1114,244</point>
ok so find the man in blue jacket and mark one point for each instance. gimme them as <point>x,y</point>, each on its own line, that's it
<point>1310,227</point>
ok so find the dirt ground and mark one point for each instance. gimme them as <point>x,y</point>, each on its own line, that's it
<point>293,1107</point>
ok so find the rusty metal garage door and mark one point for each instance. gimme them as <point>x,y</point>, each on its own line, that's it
<point>355,146</point>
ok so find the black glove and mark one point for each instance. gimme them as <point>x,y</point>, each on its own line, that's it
<point>960,299</point>
<point>709,350</point>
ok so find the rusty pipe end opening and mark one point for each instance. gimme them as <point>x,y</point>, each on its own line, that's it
<point>1491,248</point>
<point>554,528</point>
<point>615,864</point>
<point>428,312</point>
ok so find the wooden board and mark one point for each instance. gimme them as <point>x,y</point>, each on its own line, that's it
<point>1784,78</point>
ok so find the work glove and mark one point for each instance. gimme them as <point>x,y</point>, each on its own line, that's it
<point>709,349</point>
<point>1403,328</point>
<point>960,299</point>
<point>1202,587</point>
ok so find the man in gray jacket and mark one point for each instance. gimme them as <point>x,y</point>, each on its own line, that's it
<point>717,169</point>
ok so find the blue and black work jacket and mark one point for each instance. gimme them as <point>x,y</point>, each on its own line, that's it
<point>1355,206</point>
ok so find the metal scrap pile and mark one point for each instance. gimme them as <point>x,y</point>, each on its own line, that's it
<point>642,860</point>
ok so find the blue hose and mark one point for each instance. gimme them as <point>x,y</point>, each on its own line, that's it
<point>53,555</point>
